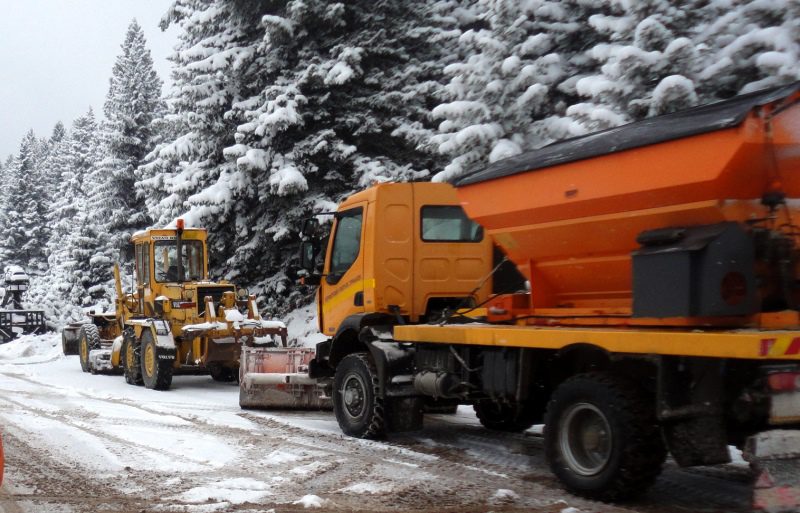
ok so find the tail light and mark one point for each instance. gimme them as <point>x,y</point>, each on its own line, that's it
<point>784,381</point>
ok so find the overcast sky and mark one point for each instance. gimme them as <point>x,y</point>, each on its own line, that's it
<point>56,58</point>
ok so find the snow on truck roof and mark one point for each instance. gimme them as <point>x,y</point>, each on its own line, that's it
<point>141,234</point>
<point>658,129</point>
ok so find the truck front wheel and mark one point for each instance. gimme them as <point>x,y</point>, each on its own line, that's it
<point>357,401</point>
<point>601,437</point>
<point>156,371</point>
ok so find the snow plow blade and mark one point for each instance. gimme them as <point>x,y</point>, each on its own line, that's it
<point>20,322</point>
<point>277,378</point>
<point>775,456</point>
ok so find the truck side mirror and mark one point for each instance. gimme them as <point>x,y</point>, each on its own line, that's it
<point>310,228</point>
<point>308,254</point>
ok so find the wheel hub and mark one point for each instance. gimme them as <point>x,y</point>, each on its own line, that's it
<point>353,394</point>
<point>585,439</point>
<point>149,360</point>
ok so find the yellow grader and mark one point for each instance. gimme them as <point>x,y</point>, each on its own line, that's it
<point>174,321</point>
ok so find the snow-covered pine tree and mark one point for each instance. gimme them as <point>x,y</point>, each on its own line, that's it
<point>610,62</point>
<point>344,91</point>
<point>752,45</point>
<point>670,57</point>
<point>69,253</point>
<point>212,69</point>
<point>340,103</point>
<point>132,103</point>
<point>49,172</point>
<point>519,62</point>
<point>23,234</point>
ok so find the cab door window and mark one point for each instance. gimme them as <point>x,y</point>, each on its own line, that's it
<point>448,224</point>
<point>143,263</point>
<point>346,243</point>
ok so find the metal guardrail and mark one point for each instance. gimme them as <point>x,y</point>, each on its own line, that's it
<point>20,322</point>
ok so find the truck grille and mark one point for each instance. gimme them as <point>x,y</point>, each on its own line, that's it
<point>214,292</point>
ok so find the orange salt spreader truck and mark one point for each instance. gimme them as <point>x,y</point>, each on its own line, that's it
<point>658,310</point>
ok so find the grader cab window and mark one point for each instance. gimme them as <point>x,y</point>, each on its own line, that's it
<point>166,261</point>
<point>143,263</point>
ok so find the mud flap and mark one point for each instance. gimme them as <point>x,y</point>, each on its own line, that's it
<point>404,414</point>
<point>775,457</point>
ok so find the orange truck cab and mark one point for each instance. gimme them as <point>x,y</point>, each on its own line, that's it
<point>416,255</point>
<point>398,253</point>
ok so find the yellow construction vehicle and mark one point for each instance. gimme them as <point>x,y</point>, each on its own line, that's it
<point>174,320</point>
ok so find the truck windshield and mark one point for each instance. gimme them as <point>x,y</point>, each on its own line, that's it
<point>346,243</point>
<point>166,261</point>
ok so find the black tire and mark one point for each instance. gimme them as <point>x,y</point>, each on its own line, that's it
<point>69,347</point>
<point>512,418</point>
<point>88,339</point>
<point>223,374</point>
<point>156,371</point>
<point>617,419</point>
<point>132,368</point>
<point>357,402</point>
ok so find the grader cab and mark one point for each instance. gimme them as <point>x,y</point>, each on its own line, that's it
<point>172,320</point>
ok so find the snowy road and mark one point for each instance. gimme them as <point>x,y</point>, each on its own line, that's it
<point>81,443</point>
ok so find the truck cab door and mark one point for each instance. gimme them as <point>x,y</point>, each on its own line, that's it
<point>341,290</point>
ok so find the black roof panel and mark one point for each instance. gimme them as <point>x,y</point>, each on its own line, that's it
<point>685,123</point>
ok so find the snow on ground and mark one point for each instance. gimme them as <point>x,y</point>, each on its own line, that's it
<point>192,449</point>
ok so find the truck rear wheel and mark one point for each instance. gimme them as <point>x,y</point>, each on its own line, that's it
<point>88,339</point>
<point>357,401</point>
<point>601,437</point>
<point>503,417</point>
<point>132,367</point>
<point>156,372</point>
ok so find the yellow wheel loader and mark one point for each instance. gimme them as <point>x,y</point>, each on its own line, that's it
<point>174,321</point>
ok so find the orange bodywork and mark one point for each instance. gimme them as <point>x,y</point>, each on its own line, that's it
<point>571,228</point>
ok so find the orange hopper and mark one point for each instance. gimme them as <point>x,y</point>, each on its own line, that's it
<point>568,215</point>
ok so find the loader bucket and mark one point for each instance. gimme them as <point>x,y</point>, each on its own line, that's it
<point>20,322</point>
<point>277,378</point>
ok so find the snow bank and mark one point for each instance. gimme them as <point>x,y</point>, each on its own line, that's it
<point>302,326</point>
<point>28,349</point>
